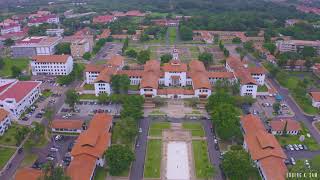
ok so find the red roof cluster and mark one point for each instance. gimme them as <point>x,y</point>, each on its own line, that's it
<point>19,90</point>
<point>103,19</point>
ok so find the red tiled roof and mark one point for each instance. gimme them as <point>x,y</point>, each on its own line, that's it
<point>175,66</point>
<point>51,58</point>
<point>137,73</point>
<point>199,75</point>
<point>116,60</point>
<point>227,75</point>
<point>67,124</point>
<point>103,19</point>
<point>81,167</point>
<point>42,19</point>
<point>105,74</point>
<point>175,91</point>
<point>94,68</point>
<point>28,174</point>
<point>19,90</point>
<point>279,125</point>
<point>257,70</point>
<point>3,114</point>
<point>315,96</point>
<point>151,75</point>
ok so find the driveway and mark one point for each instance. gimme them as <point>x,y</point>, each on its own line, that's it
<point>302,154</point>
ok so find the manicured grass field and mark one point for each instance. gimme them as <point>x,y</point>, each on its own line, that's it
<point>263,88</point>
<point>157,127</point>
<point>153,159</point>
<point>9,63</point>
<point>309,142</point>
<point>5,155</point>
<point>88,87</point>
<point>88,96</point>
<point>100,173</point>
<point>172,34</point>
<point>9,136</point>
<point>28,160</point>
<point>201,158</point>
<point>195,128</point>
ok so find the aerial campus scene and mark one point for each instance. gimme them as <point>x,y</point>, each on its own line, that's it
<point>159,89</point>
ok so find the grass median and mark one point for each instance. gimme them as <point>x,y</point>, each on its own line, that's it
<point>201,158</point>
<point>152,165</point>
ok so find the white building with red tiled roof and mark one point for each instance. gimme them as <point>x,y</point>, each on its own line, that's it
<point>51,65</point>
<point>297,45</point>
<point>7,28</point>
<point>16,96</point>
<point>50,19</point>
<point>315,96</point>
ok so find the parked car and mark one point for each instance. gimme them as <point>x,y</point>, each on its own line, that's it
<point>293,162</point>
<point>39,115</point>
<point>140,130</point>
<point>50,158</point>
<point>54,149</point>
<point>58,137</point>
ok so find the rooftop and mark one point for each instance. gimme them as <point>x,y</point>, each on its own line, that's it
<point>19,90</point>
<point>51,58</point>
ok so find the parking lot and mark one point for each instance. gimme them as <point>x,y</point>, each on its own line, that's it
<point>88,108</point>
<point>264,107</point>
<point>56,151</point>
<point>109,49</point>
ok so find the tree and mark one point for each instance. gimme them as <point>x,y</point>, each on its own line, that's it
<point>63,48</point>
<point>276,107</point>
<point>131,53</point>
<point>143,56</point>
<point>271,47</point>
<point>72,97</point>
<point>15,71</point>
<point>21,134</point>
<point>219,97</point>
<point>51,172</point>
<point>308,51</point>
<point>226,120</point>
<point>8,42</point>
<point>119,158</point>
<point>103,98</point>
<point>166,58</point>
<point>127,130</point>
<point>86,56</point>
<point>226,52</point>
<point>248,46</point>
<point>120,83</point>
<point>206,58</point>
<point>236,40</point>
<point>242,170</point>
<point>185,33</point>
<point>1,63</point>
<point>309,63</point>
<point>125,45</point>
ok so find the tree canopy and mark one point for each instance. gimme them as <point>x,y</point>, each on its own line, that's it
<point>72,97</point>
<point>119,158</point>
<point>120,83</point>
<point>165,58</point>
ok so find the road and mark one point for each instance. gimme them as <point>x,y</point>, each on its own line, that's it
<point>140,151</point>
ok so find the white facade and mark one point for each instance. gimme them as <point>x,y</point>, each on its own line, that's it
<point>148,92</point>
<point>63,130</point>
<point>315,103</point>
<point>4,124</point>
<point>52,68</point>
<point>10,29</point>
<point>259,78</point>
<point>55,32</point>
<point>91,77</point>
<point>287,132</point>
<point>249,90</point>
<point>16,108</point>
<point>100,87</point>
<point>202,92</point>
<point>175,78</point>
<point>296,45</point>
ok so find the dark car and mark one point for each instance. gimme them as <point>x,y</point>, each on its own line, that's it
<point>20,150</point>
<point>39,115</point>
<point>70,146</point>
<point>216,147</point>
<point>25,118</point>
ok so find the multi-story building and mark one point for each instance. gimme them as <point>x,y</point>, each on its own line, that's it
<point>67,126</point>
<point>5,121</point>
<point>264,149</point>
<point>7,28</point>
<point>89,149</point>
<point>105,19</point>
<point>79,47</point>
<point>55,32</point>
<point>249,77</point>
<point>285,126</point>
<point>297,45</point>
<point>50,19</point>
<point>51,65</point>
<point>16,96</point>
<point>32,46</point>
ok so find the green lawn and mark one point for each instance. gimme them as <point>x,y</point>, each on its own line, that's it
<point>47,93</point>
<point>28,160</point>
<point>5,155</point>
<point>153,159</point>
<point>172,34</point>
<point>195,128</point>
<point>9,136</point>
<point>309,142</point>
<point>157,127</point>
<point>88,87</point>
<point>134,87</point>
<point>100,173</point>
<point>263,88</point>
<point>9,63</point>
<point>88,97</point>
<point>201,158</point>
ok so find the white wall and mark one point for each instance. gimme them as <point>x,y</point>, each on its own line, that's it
<point>102,88</point>
<point>248,90</point>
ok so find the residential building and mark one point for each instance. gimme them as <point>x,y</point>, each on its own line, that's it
<point>79,47</point>
<point>315,96</point>
<point>55,32</point>
<point>67,126</point>
<point>51,65</point>
<point>31,46</point>
<point>285,126</point>
<point>264,149</point>
<point>104,35</point>
<point>28,173</point>
<point>105,19</point>
<point>248,77</point>
<point>91,144</point>
<point>50,19</point>
<point>7,28</point>
<point>17,96</point>
<point>5,121</point>
<point>297,45</point>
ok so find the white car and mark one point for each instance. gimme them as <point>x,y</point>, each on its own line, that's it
<point>140,130</point>
<point>293,162</point>
<point>58,137</point>
<point>54,149</point>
